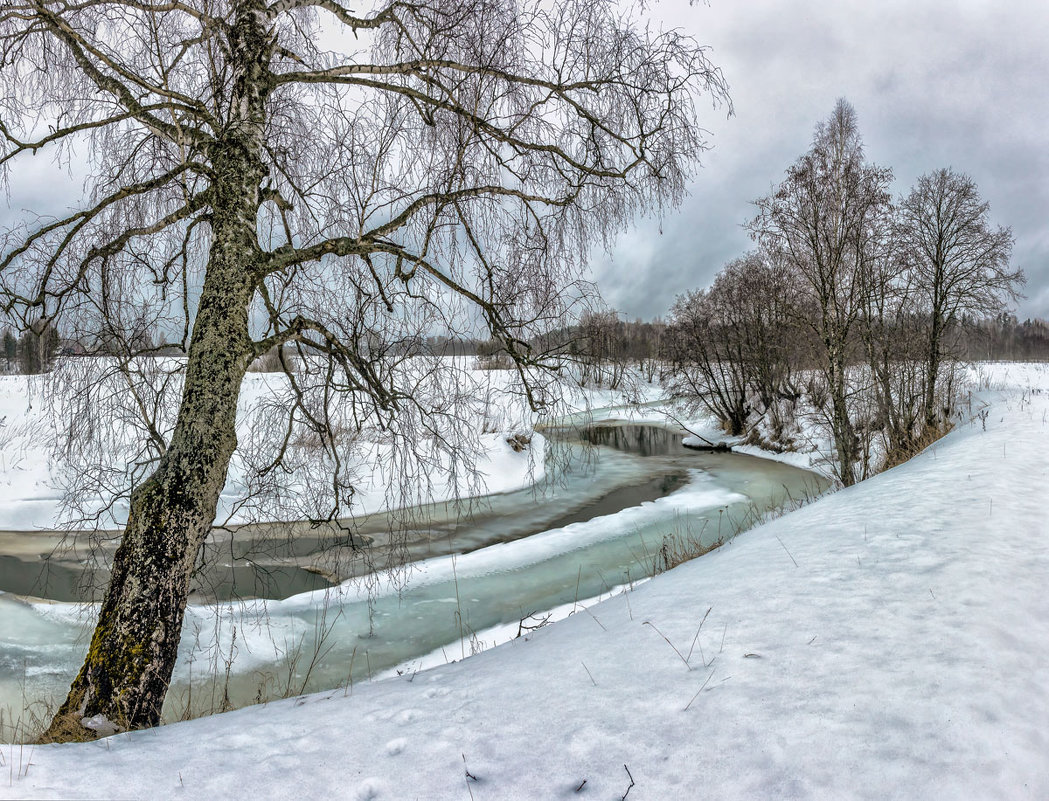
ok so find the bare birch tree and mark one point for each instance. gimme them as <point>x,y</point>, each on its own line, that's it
<point>735,346</point>
<point>960,264</point>
<point>707,368</point>
<point>597,349</point>
<point>826,217</point>
<point>891,330</point>
<point>294,174</point>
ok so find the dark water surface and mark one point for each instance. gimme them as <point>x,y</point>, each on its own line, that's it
<point>592,472</point>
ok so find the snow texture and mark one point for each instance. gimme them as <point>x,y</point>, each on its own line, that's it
<point>888,641</point>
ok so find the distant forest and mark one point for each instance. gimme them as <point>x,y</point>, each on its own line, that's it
<point>601,338</point>
<point>604,337</point>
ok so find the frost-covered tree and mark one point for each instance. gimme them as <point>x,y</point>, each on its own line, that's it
<point>328,179</point>
<point>959,262</point>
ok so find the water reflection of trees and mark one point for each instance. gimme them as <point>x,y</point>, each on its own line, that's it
<point>637,439</point>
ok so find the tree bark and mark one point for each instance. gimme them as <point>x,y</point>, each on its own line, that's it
<point>841,424</point>
<point>128,667</point>
<point>933,371</point>
<point>125,676</point>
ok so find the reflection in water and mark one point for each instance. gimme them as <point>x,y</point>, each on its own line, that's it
<point>636,439</point>
<point>58,579</point>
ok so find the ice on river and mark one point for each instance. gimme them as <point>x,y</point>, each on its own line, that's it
<point>887,641</point>
<point>384,620</point>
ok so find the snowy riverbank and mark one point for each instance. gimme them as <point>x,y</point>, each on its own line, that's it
<point>888,641</point>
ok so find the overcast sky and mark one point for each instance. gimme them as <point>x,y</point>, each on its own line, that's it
<point>934,83</point>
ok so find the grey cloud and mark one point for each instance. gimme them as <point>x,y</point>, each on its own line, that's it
<point>935,84</point>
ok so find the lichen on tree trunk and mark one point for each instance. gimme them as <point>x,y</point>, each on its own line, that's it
<point>125,675</point>
<point>129,663</point>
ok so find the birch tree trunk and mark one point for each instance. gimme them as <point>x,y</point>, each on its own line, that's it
<point>125,676</point>
<point>133,650</point>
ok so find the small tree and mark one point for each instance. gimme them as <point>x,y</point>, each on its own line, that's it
<point>491,355</point>
<point>827,218</point>
<point>704,348</point>
<point>960,264</point>
<point>735,344</point>
<point>891,329</point>
<point>763,287</point>
<point>38,347</point>
<point>598,349</point>
<point>10,348</point>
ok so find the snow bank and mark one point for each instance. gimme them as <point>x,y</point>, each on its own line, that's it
<point>887,641</point>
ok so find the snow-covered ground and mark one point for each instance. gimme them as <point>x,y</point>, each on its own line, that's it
<point>888,641</point>
<point>34,470</point>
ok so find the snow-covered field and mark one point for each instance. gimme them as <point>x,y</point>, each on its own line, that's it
<point>888,641</point>
<point>34,468</point>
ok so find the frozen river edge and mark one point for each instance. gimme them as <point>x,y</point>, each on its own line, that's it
<point>889,640</point>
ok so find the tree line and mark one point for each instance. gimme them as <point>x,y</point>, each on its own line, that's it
<point>853,299</point>
<point>33,350</point>
<point>1004,338</point>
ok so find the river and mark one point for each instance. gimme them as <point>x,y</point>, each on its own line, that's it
<point>275,615</point>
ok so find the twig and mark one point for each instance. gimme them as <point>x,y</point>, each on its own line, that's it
<point>579,575</point>
<point>694,697</point>
<point>459,611</point>
<point>785,549</point>
<point>469,778</point>
<point>690,431</point>
<point>598,622</point>
<point>591,675</point>
<point>628,786</point>
<point>696,639</point>
<point>661,634</point>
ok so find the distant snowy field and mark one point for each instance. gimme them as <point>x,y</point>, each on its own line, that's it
<point>888,641</point>
<point>32,469</point>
